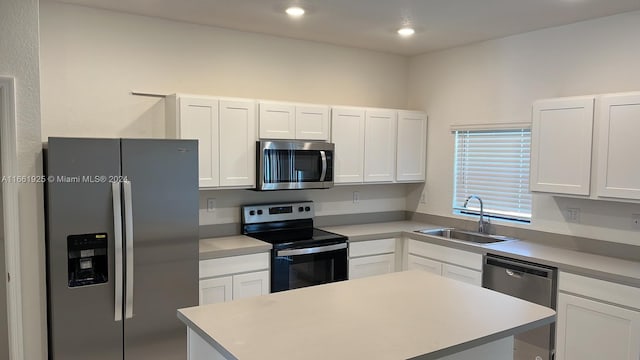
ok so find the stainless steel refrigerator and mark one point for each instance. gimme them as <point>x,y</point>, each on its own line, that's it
<point>122,247</point>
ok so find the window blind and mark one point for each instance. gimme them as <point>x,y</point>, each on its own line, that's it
<point>494,165</point>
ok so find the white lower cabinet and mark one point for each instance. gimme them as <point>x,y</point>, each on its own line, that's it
<point>597,320</point>
<point>371,265</point>
<point>232,278</point>
<point>462,274</point>
<point>372,257</point>
<point>448,262</point>
<point>250,284</point>
<point>216,290</point>
<point>424,264</point>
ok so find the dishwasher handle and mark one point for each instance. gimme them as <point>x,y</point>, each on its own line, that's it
<point>514,274</point>
<point>517,269</point>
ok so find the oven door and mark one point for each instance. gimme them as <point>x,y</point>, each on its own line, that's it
<point>294,165</point>
<point>300,267</point>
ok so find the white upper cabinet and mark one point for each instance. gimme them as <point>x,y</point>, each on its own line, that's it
<point>561,136</point>
<point>237,143</point>
<point>347,133</point>
<point>198,119</point>
<point>618,130</point>
<point>293,121</point>
<point>312,122</point>
<point>226,134</point>
<point>379,145</point>
<point>568,135</point>
<point>411,150</point>
<point>277,121</point>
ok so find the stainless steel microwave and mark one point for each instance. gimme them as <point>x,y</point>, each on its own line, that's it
<point>294,164</point>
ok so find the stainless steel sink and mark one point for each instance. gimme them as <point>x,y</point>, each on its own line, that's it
<point>464,235</point>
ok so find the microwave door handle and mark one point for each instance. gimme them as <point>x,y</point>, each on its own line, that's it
<point>323,156</point>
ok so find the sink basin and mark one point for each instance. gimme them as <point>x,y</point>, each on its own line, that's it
<point>464,235</point>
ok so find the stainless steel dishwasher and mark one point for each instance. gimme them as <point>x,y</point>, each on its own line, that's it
<point>531,282</point>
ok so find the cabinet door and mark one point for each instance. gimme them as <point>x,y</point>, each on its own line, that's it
<point>379,145</point>
<point>215,290</point>
<point>347,133</point>
<point>250,284</point>
<point>237,143</point>
<point>462,274</point>
<point>424,264</point>
<point>372,247</point>
<point>371,265</point>
<point>561,141</point>
<point>199,120</point>
<point>312,122</point>
<point>591,330</point>
<point>619,126</point>
<point>277,121</point>
<point>411,146</point>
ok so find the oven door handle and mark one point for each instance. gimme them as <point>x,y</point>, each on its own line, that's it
<point>313,250</point>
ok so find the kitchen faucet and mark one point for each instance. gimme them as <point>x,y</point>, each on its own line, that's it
<point>482,227</point>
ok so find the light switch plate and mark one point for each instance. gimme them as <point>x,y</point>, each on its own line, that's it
<point>635,222</point>
<point>573,215</point>
<point>211,205</point>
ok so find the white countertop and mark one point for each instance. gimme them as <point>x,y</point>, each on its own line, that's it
<point>231,246</point>
<point>603,267</point>
<point>394,316</point>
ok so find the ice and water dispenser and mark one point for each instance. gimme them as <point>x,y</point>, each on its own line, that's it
<point>87,259</point>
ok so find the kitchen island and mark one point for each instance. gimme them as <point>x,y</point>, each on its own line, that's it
<point>404,315</point>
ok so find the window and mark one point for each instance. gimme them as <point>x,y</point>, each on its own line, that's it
<point>494,165</point>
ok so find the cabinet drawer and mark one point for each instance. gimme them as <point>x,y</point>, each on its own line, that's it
<point>234,264</point>
<point>371,266</point>
<point>599,289</point>
<point>372,247</point>
<point>446,254</point>
<point>424,264</point>
<point>469,276</point>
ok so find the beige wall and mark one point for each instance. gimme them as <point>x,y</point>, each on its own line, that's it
<point>496,81</point>
<point>19,59</point>
<point>92,59</point>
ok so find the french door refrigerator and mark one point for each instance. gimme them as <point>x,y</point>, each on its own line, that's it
<point>122,247</point>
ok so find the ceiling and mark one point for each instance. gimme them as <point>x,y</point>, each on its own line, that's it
<point>372,24</point>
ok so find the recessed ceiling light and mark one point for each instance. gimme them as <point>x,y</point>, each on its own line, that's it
<point>406,31</point>
<point>295,11</point>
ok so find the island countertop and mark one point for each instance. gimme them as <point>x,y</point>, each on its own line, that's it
<point>395,316</point>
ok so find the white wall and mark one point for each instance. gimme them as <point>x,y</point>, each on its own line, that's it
<point>335,201</point>
<point>92,59</point>
<point>19,59</point>
<point>496,81</point>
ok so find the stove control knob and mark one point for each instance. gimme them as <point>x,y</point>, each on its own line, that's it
<point>300,209</point>
<point>259,212</point>
<point>252,212</point>
<point>307,208</point>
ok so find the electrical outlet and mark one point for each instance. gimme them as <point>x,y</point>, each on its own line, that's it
<point>635,222</point>
<point>356,197</point>
<point>211,205</point>
<point>573,215</point>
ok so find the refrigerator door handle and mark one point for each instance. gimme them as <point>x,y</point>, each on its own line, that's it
<point>117,232</point>
<point>128,233</point>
